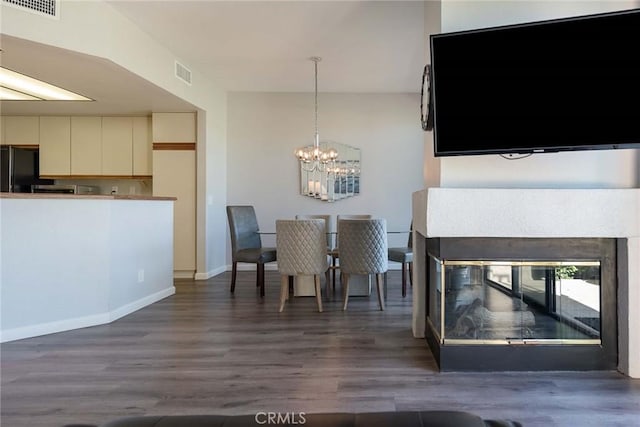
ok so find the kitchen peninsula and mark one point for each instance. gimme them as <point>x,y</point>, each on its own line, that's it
<point>72,261</point>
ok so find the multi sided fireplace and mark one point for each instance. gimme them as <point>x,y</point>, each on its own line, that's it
<point>521,303</point>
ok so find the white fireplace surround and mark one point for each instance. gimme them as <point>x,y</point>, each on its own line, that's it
<point>538,213</point>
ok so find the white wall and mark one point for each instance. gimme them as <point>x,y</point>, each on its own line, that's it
<point>265,128</point>
<point>587,169</point>
<point>95,28</point>
<point>432,23</point>
<point>70,263</point>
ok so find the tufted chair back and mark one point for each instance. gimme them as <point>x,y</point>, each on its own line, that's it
<point>363,246</point>
<point>328,223</point>
<point>301,246</point>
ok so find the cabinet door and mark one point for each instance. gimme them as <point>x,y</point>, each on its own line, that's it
<point>55,146</point>
<point>142,146</point>
<point>117,146</point>
<point>86,145</point>
<point>174,175</point>
<point>21,130</point>
<point>174,127</point>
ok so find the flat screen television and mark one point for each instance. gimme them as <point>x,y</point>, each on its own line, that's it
<point>565,84</point>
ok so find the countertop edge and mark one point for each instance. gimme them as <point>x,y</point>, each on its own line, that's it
<point>85,196</point>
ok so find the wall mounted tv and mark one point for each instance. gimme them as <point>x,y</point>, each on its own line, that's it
<point>566,84</point>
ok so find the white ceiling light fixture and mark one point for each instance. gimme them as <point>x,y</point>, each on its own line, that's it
<point>12,95</point>
<point>32,89</point>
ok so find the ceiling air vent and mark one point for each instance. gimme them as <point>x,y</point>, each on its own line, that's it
<point>183,73</point>
<point>41,7</point>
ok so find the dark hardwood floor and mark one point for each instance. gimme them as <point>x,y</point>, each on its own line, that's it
<point>205,351</point>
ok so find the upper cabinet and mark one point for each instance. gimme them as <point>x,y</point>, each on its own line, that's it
<point>117,146</point>
<point>55,145</point>
<point>142,147</point>
<point>20,130</point>
<point>86,146</point>
<point>174,128</point>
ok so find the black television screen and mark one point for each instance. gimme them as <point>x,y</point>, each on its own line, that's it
<point>566,84</point>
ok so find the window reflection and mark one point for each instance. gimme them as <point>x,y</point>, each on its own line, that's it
<point>510,301</point>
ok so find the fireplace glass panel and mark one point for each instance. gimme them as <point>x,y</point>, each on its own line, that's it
<point>516,302</point>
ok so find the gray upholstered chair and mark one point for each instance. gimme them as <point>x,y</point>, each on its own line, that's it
<point>363,250</point>
<point>246,245</point>
<point>329,225</point>
<point>330,235</point>
<point>301,245</point>
<point>334,251</point>
<point>404,255</point>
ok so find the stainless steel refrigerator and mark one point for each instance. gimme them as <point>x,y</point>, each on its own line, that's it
<point>20,169</point>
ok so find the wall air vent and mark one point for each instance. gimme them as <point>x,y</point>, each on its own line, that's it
<point>183,73</point>
<point>41,7</point>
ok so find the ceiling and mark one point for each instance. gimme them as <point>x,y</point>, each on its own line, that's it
<point>366,46</point>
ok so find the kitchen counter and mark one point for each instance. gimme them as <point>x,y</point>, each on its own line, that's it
<point>81,196</point>
<point>72,261</point>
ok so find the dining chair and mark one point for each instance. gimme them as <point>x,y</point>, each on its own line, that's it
<point>246,245</point>
<point>301,246</point>
<point>329,227</point>
<point>363,250</point>
<point>334,251</point>
<point>329,232</point>
<point>404,255</point>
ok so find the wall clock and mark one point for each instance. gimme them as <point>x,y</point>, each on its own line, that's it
<point>426,109</point>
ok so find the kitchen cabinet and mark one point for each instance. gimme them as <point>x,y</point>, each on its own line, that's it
<point>174,175</point>
<point>20,130</point>
<point>86,146</point>
<point>174,128</point>
<point>55,146</point>
<point>117,146</point>
<point>142,147</point>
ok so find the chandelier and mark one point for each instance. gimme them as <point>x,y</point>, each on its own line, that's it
<point>322,175</point>
<point>313,158</point>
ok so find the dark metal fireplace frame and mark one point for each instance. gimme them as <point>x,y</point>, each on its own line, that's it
<point>531,357</point>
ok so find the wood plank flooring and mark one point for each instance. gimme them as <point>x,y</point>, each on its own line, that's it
<point>205,351</point>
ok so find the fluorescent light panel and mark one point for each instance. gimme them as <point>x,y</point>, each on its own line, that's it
<point>12,95</point>
<point>37,89</point>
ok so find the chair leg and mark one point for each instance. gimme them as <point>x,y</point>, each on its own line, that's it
<point>316,279</point>
<point>345,291</point>
<point>284,291</point>
<point>260,278</point>
<point>234,270</point>
<point>333,267</point>
<point>379,282</point>
<point>290,284</point>
<point>404,280</point>
<point>327,278</point>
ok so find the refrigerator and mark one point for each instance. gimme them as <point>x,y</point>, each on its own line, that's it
<point>20,169</point>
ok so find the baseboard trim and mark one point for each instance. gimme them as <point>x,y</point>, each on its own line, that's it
<point>183,274</point>
<point>141,303</point>
<point>210,274</point>
<point>84,321</point>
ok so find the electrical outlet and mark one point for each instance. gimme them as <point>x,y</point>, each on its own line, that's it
<point>114,189</point>
<point>141,275</point>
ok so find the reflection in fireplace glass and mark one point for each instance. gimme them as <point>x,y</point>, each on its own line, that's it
<point>515,301</point>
